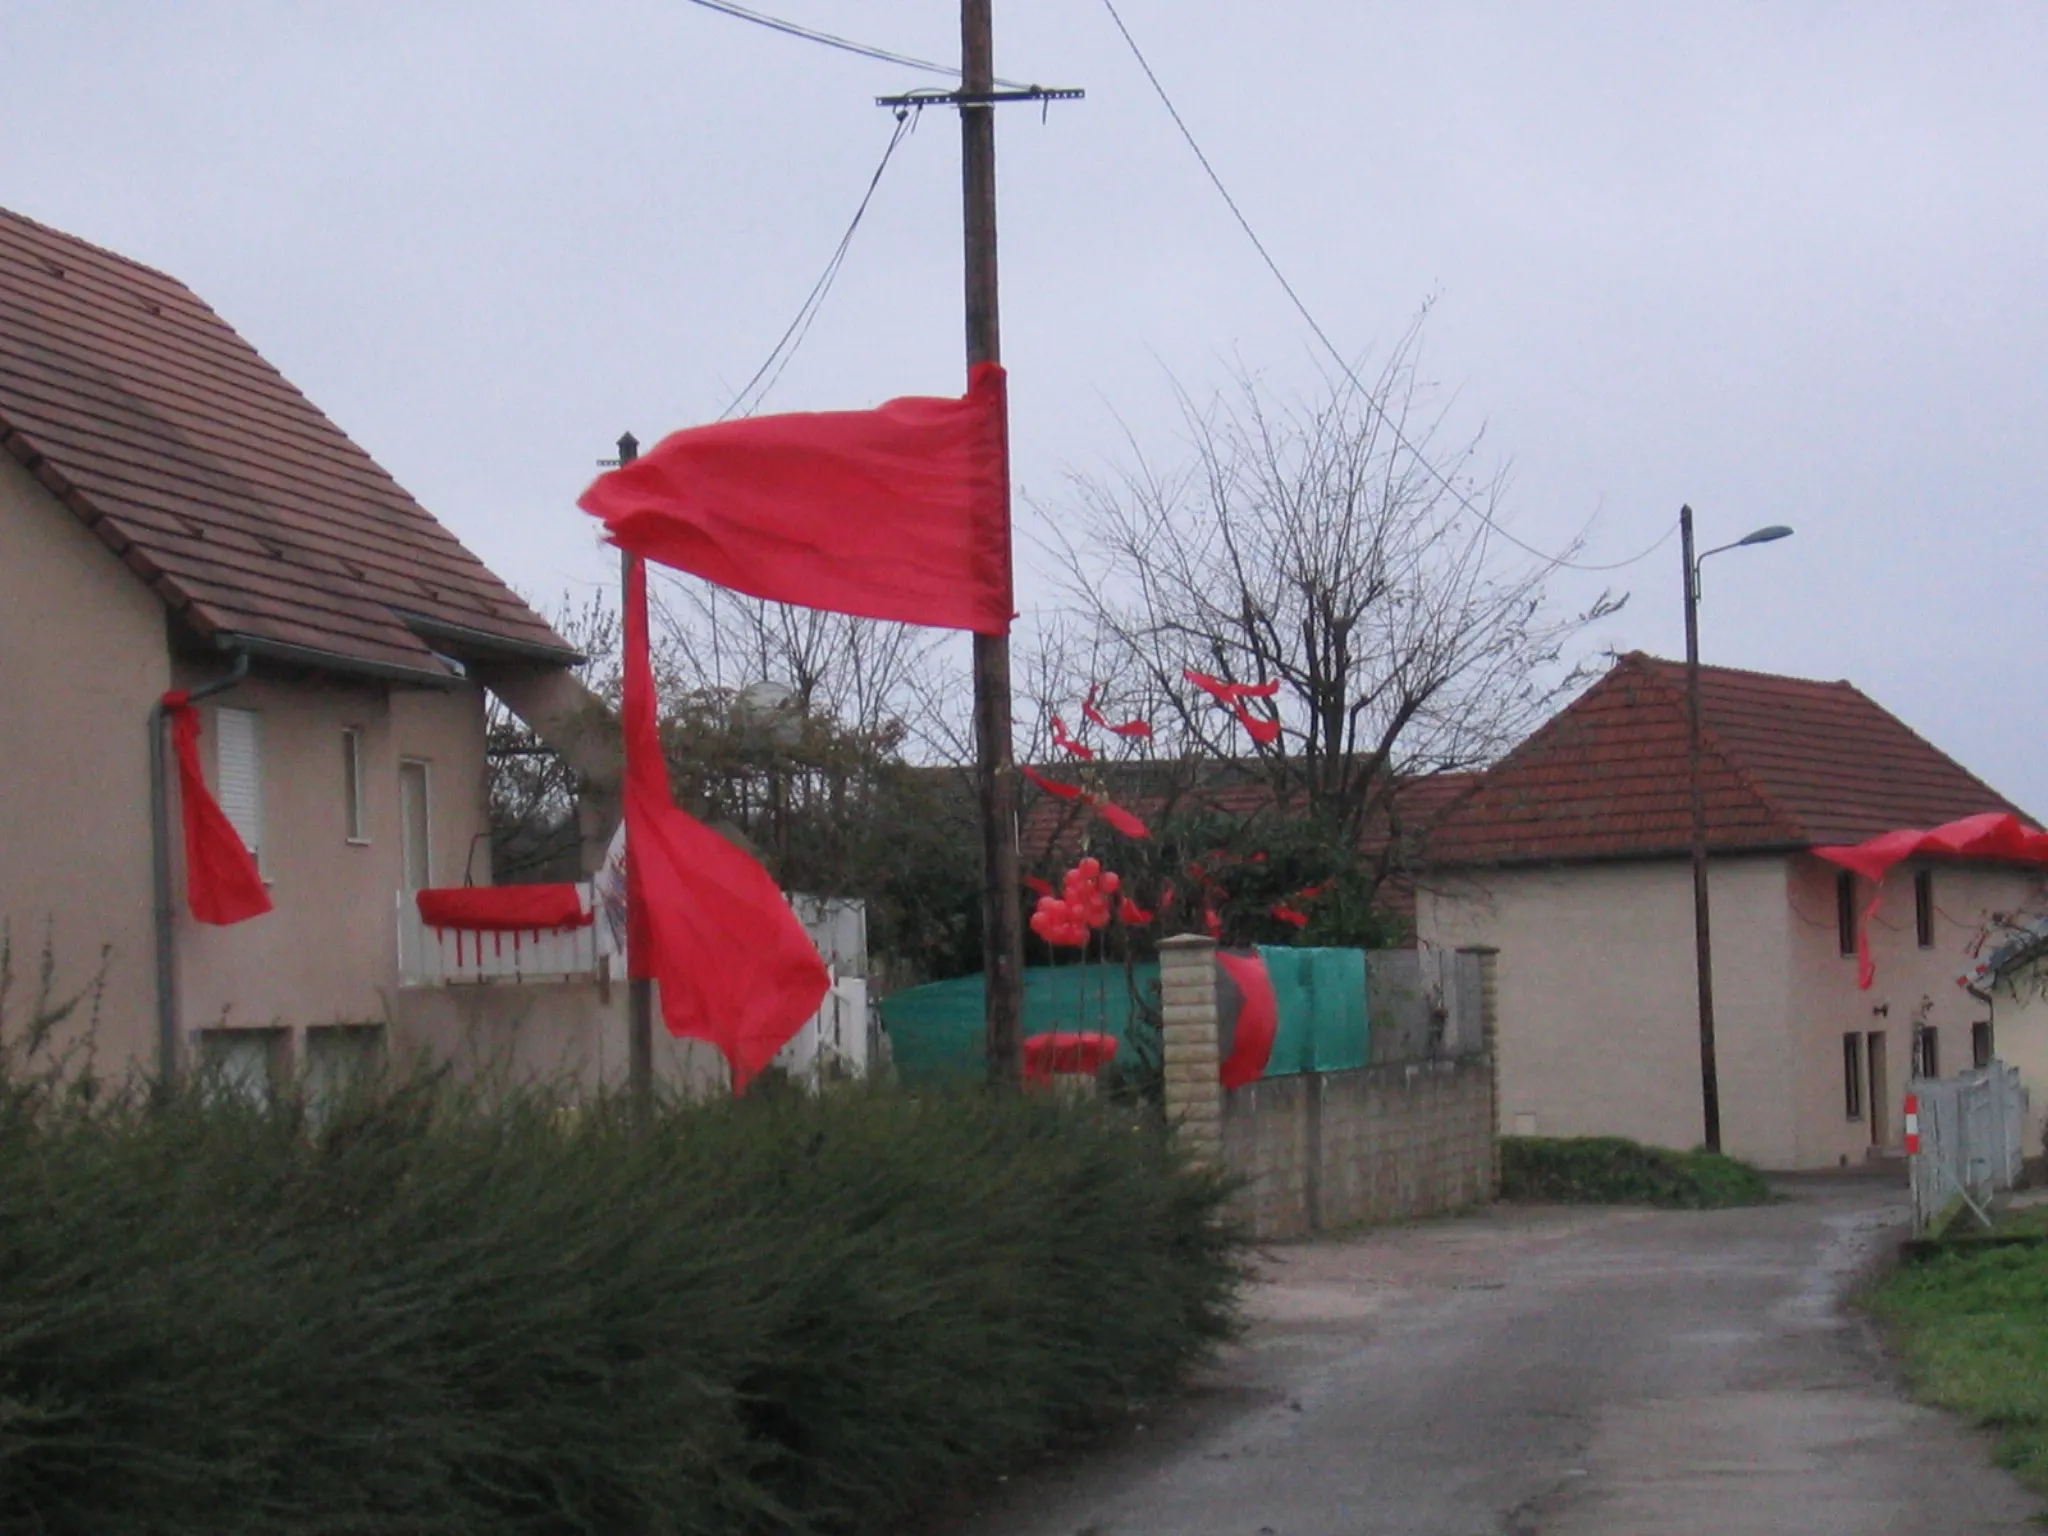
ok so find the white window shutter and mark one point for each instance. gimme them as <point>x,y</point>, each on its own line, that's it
<point>239,748</point>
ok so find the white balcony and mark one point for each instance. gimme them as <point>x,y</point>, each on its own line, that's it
<point>446,957</point>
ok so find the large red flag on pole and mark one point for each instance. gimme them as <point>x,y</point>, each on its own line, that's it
<point>901,512</point>
<point>707,922</point>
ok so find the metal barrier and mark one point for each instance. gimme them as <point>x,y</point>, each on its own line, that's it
<point>1966,1140</point>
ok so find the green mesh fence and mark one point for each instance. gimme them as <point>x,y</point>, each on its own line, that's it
<point>935,1031</point>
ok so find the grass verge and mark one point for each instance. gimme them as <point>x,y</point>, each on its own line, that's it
<point>1610,1170</point>
<point>1972,1329</point>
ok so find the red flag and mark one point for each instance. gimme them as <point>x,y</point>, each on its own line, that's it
<point>1991,835</point>
<point>1102,805</point>
<point>1037,886</point>
<point>709,923</point>
<point>1289,915</point>
<point>222,882</point>
<point>1130,729</point>
<point>1263,730</point>
<point>1258,1020</point>
<point>902,512</point>
<point>1061,739</point>
<point>1132,915</point>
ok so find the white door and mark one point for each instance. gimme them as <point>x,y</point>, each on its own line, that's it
<point>415,823</point>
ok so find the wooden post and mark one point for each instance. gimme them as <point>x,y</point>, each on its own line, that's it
<point>1002,903</point>
<point>639,990</point>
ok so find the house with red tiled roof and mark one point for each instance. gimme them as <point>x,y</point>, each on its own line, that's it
<point>175,515</point>
<point>1571,858</point>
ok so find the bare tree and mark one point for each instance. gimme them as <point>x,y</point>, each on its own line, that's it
<point>1339,548</point>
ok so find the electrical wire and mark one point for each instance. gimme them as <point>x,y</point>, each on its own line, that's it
<point>1243,223</point>
<point>793,336</point>
<point>844,44</point>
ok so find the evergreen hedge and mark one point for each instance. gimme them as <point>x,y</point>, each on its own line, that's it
<point>435,1311</point>
<point>1612,1170</point>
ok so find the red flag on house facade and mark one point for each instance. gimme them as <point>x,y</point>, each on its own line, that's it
<point>222,882</point>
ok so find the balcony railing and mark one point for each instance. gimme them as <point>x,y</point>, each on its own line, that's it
<point>440,957</point>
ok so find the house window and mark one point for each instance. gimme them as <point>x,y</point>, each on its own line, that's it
<point>1852,1076</point>
<point>340,1058</point>
<point>416,823</point>
<point>1923,910</point>
<point>1927,1051</point>
<point>239,757</point>
<point>355,822</point>
<point>242,1063</point>
<point>1845,911</point>
<point>1982,1046</point>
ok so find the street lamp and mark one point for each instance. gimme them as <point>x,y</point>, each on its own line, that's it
<point>1710,1086</point>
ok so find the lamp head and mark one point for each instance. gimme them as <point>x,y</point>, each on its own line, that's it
<point>1768,535</point>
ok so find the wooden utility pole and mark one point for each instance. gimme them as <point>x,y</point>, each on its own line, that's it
<point>1702,935</point>
<point>1002,902</point>
<point>639,990</point>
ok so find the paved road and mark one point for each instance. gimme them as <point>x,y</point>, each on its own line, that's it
<point>1569,1373</point>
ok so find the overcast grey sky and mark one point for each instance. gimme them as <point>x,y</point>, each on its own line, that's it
<point>1782,261</point>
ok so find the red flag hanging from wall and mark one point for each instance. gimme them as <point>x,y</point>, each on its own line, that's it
<point>222,883</point>
<point>901,512</point>
<point>710,925</point>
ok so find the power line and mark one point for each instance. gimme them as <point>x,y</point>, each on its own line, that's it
<point>793,336</point>
<point>1331,347</point>
<point>830,40</point>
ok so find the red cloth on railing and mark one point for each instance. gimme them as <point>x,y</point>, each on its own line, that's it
<point>901,512</point>
<point>1080,1052</point>
<point>222,882</point>
<point>503,908</point>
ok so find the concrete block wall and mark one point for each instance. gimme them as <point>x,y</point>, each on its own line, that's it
<point>1342,1149</point>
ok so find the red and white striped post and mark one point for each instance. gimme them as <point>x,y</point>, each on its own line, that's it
<point>1912,1125</point>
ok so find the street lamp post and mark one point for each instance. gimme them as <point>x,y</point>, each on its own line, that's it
<point>1703,943</point>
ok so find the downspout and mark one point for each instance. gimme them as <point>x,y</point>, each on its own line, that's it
<point>160,854</point>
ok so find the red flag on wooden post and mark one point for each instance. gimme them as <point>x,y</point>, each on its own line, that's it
<point>901,512</point>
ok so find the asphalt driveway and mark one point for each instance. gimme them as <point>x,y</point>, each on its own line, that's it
<point>1564,1372</point>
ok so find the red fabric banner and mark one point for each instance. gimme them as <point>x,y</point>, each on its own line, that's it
<point>1993,835</point>
<point>1258,1020</point>
<point>902,512</point>
<point>709,924</point>
<point>503,908</point>
<point>1262,729</point>
<point>1119,818</point>
<point>1130,730</point>
<point>222,882</point>
<point>1081,1052</point>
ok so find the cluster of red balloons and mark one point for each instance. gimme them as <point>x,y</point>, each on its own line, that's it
<point>1068,919</point>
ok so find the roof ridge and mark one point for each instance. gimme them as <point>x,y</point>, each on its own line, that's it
<point>105,253</point>
<point>1721,749</point>
<point>1667,663</point>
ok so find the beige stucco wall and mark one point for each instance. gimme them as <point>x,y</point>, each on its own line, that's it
<point>1598,1028</point>
<point>82,659</point>
<point>1598,1004</point>
<point>1827,1003</point>
<point>2020,1020</point>
<point>328,952</point>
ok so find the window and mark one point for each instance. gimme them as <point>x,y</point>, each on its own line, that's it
<point>1982,1045</point>
<point>239,749</point>
<point>1923,910</point>
<point>242,1063</point>
<point>1845,911</point>
<point>1852,1076</point>
<point>1927,1051</point>
<point>415,824</point>
<point>355,823</point>
<point>340,1058</point>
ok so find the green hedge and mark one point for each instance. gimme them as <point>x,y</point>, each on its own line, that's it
<point>1610,1170</point>
<point>434,1313</point>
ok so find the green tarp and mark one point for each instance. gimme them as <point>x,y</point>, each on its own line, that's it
<point>935,1031</point>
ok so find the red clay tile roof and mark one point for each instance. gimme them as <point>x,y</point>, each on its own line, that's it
<point>1785,762</point>
<point>249,512</point>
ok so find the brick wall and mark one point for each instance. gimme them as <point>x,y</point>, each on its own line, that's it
<point>1338,1149</point>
